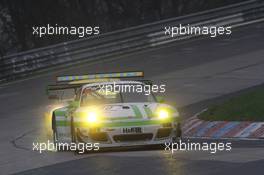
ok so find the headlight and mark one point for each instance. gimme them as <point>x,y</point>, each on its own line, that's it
<point>163,114</point>
<point>92,117</point>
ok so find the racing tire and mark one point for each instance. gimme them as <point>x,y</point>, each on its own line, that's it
<point>57,147</point>
<point>55,134</point>
<point>55,141</point>
<point>74,137</point>
<point>177,133</point>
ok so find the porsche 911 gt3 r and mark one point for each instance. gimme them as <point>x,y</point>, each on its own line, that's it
<point>111,118</point>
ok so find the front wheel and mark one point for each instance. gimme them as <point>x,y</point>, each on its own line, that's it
<point>55,141</point>
<point>74,136</point>
<point>177,133</point>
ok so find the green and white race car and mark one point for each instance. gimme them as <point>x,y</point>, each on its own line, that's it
<point>99,114</point>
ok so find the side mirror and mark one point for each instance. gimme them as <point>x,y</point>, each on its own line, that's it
<point>53,97</point>
<point>160,99</point>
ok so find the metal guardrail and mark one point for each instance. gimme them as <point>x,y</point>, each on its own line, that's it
<point>121,42</point>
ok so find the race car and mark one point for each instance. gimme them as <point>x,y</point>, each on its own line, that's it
<point>113,118</point>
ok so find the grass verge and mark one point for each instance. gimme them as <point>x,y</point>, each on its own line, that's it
<point>245,107</point>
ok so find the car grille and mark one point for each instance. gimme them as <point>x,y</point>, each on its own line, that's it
<point>132,137</point>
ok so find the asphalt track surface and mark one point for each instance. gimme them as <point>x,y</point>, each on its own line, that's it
<point>23,104</point>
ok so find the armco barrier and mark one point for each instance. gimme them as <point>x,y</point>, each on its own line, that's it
<point>121,42</point>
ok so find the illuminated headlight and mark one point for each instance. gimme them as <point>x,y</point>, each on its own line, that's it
<point>163,114</point>
<point>92,117</point>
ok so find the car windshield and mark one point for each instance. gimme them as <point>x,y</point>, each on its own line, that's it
<point>105,95</point>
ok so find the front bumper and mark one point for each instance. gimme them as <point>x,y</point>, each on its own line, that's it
<point>115,137</point>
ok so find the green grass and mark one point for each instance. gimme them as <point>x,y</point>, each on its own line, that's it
<point>246,107</point>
